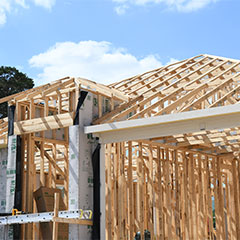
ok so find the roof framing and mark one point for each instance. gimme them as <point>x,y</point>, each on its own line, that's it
<point>200,82</point>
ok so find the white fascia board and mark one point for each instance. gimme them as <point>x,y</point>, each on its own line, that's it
<point>166,125</point>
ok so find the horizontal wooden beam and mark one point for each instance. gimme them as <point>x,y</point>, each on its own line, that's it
<point>73,221</point>
<point>49,140</point>
<point>44,123</point>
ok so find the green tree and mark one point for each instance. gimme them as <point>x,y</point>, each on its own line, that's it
<point>12,81</point>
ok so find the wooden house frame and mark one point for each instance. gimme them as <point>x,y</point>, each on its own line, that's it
<point>181,185</point>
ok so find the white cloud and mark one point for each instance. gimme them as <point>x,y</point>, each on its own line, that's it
<point>120,10</point>
<point>2,17</point>
<point>45,3</point>
<point>179,5</point>
<point>4,7</point>
<point>98,61</point>
<point>8,6</point>
<point>22,3</point>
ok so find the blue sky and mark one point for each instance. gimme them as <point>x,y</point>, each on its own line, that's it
<point>108,40</point>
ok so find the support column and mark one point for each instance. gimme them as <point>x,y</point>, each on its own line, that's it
<point>102,194</point>
<point>80,169</point>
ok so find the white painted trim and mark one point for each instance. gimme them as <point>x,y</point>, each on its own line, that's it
<point>165,125</point>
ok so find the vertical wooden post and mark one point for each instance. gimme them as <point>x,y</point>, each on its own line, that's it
<point>140,189</point>
<point>232,224</point>
<point>186,200</point>
<point>190,193</point>
<point>55,224</point>
<point>59,103</point>
<point>66,167</point>
<point>54,173</point>
<point>102,193</point>
<point>108,191</point>
<point>70,102</point>
<point>235,195</point>
<point>29,182</point>
<point>42,175</point>
<point>112,103</point>
<point>220,199</point>
<point>46,108</point>
<point>120,193</point>
<point>216,198</point>
<point>99,105</point>
<point>177,181</point>
<point>66,179</point>
<point>168,195</point>
<point>150,191</point>
<point>115,191</point>
<point>209,198</point>
<point>130,185</point>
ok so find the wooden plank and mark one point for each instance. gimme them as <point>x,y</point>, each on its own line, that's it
<point>50,140</point>
<point>130,187</point>
<point>66,173</point>
<point>44,123</point>
<point>191,196</point>
<point>102,89</point>
<point>73,221</point>
<point>186,197</point>
<point>24,183</point>
<point>29,183</point>
<point>54,173</point>
<point>55,223</point>
<point>209,197</point>
<point>216,201</point>
<point>59,102</point>
<point>141,190</point>
<point>46,106</point>
<point>168,195</point>
<point>177,182</point>
<point>116,192</point>
<point>108,193</point>
<point>220,199</point>
<point>235,196</point>
<point>100,107</point>
<point>51,160</point>
<point>150,191</point>
<point>42,175</point>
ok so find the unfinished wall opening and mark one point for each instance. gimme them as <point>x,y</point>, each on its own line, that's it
<point>171,192</point>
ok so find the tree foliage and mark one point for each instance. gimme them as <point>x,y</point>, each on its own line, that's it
<point>12,81</point>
